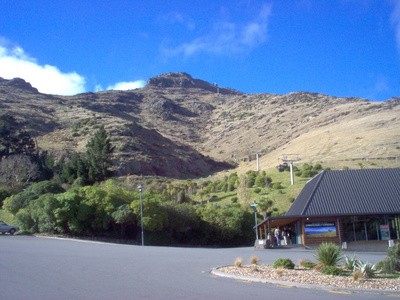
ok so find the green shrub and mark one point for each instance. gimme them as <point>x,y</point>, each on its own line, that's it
<point>277,186</point>
<point>309,265</point>
<point>317,167</point>
<point>285,263</point>
<point>331,270</point>
<point>328,254</point>
<point>388,265</point>
<point>394,251</point>
<point>306,263</point>
<point>257,190</point>
<point>391,264</point>
<point>308,173</point>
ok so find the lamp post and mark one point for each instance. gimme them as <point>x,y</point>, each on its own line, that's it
<point>141,212</point>
<point>254,206</point>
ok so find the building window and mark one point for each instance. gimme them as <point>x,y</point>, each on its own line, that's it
<point>371,228</point>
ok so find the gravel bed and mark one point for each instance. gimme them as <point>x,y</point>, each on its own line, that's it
<point>307,276</point>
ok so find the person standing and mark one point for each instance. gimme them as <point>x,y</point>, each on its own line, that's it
<point>285,238</point>
<point>277,234</point>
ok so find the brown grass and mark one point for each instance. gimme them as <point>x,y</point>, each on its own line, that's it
<point>254,260</point>
<point>238,262</point>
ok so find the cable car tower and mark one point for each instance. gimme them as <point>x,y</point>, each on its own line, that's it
<point>289,159</point>
<point>257,152</point>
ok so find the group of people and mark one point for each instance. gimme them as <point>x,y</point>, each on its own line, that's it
<point>282,237</point>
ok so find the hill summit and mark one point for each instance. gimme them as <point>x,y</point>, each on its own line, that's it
<point>184,80</point>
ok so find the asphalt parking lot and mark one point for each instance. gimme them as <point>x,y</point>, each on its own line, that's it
<point>46,268</point>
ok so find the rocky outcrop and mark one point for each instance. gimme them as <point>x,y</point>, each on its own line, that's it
<point>18,83</point>
<point>394,100</point>
<point>184,80</point>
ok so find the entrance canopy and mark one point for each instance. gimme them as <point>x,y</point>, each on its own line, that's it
<point>278,221</point>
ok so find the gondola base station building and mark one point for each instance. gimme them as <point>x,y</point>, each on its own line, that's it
<point>356,209</point>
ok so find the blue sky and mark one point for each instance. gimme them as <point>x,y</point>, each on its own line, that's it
<point>336,47</point>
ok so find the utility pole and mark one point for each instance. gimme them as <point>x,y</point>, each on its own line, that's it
<point>254,206</point>
<point>141,212</point>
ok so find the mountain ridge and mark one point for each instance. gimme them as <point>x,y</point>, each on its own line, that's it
<point>177,126</point>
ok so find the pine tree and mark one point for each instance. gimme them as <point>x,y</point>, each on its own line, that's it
<point>99,155</point>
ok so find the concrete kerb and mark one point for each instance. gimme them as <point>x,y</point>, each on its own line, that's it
<point>218,273</point>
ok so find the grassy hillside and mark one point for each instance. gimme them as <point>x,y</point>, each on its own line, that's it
<point>185,131</point>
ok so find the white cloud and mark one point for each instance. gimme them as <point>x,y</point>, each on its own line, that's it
<point>178,18</point>
<point>228,37</point>
<point>395,18</point>
<point>14,62</point>
<point>124,85</point>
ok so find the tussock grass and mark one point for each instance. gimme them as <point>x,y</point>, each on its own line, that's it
<point>254,260</point>
<point>280,271</point>
<point>357,275</point>
<point>238,262</point>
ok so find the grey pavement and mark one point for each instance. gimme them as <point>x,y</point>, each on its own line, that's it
<point>44,268</point>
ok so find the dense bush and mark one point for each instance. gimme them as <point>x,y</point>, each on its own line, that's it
<point>391,264</point>
<point>388,265</point>
<point>307,170</point>
<point>251,178</point>
<point>331,270</point>
<point>277,186</point>
<point>108,209</point>
<point>257,190</point>
<point>285,263</point>
<point>15,202</point>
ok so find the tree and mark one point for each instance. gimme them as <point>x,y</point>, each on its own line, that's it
<point>155,216</point>
<point>45,187</point>
<point>13,139</point>
<point>181,196</point>
<point>222,225</point>
<point>250,178</point>
<point>265,207</point>
<point>39,216</point>
<point>17,170</point>
<point>99,156</point>
<point>73,169</point>
<point>182,220</point>
<point>46,165</point>
<point>122,217</point>
<point>16,202</point>
<point>72,215</point>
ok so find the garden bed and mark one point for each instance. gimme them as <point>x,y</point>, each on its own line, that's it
<point>307,276</point>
